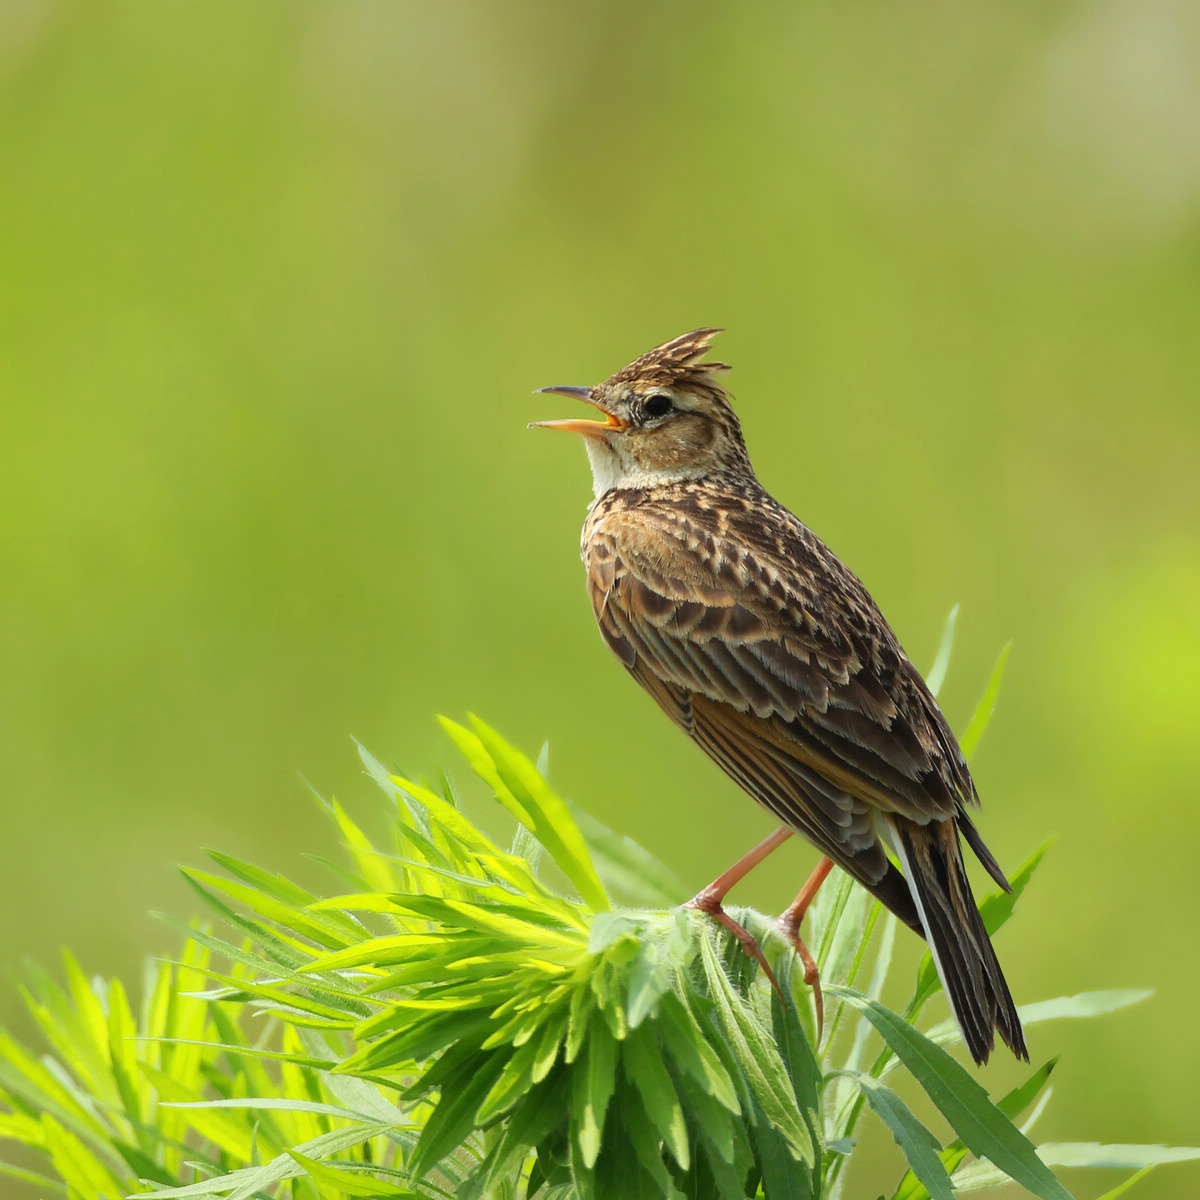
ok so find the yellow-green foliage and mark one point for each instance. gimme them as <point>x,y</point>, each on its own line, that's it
<point>457,1026</point>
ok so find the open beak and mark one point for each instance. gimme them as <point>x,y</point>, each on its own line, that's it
<point>610,423</point>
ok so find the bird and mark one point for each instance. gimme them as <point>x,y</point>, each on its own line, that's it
<point>770,654</point>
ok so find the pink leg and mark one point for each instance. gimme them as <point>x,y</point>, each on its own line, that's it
<point>709,900</point>
<point>789,924</point>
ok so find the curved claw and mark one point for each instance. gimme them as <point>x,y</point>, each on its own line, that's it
<point>706,903</point>
<point>789,926</point>
<point>812,977</point>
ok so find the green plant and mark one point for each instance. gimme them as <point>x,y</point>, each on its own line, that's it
<point>454,1024</point>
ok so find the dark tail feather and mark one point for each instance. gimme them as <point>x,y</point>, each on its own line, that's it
<point>967,828</point>
<point>893,892</point>
<point>962,952</point>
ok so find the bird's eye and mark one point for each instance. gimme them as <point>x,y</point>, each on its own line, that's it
<point>657,405</point>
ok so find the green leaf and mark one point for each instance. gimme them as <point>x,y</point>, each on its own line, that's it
<point>919,1145</point>
<point>520,788</point>
<point>327,932</point>
<point>782,1177</point>
<point>248,1181</point>
<point>230,1135</point>
<point>41,1182</point>
<point>1012,1105</point>
<point>594,1082</point>
<point>651,978</point>
<point>280,1104</point>
<point>627,868</point>
<point>985,707</point>
<point>1122,1188</point>
<point>540,1112</point>
<point>937,673</point>
<point>353,1183</point>
<point>763,1070</point>
<point>1096,1154</point>
<point>76,1164</point>
<point>984,1129</point>
<point>454,1117</point>
<point>1085,1004</point>
<point>641,1058</point>
<point>687,1047</point>
<point>514,1081</point>
<point>639,1125</point>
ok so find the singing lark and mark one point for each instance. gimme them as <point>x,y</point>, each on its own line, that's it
<point>769,653</point>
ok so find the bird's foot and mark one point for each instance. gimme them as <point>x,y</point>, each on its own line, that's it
<point>789,925</point>
<point>709,902</point>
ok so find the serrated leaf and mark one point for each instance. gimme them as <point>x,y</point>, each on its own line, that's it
<point>641,1058</point>
<point>782,1177</point>
<point>920,1147</point>
<point>1012,1105</point>
<point>763,1070</point>
<point>539,1112</point>
<point>639,1125</point>
<point>651,978</point>
<point>594,1081</point>
<point>686,1044</point>
<point>454,1117</point>
<point>514,1081</point>
<point>983,1128</point>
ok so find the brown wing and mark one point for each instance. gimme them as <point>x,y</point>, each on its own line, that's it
<point>779,665</point>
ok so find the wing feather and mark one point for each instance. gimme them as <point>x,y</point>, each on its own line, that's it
<point>738,635</point>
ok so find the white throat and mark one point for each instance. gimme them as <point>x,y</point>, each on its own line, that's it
<point>610,471</point>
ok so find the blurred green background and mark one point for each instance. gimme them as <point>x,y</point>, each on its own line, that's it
<point>277,280</point>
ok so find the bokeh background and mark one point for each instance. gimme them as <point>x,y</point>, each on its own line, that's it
<point>277,280</point>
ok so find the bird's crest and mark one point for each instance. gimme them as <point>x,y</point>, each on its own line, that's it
<point>674,362</point>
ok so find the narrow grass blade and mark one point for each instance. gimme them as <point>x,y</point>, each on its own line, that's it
<point>1122,1188</point>
<point>937,673</point>
<point>352,1183</point>
<point>985,707</point>
<point>248,1181</point>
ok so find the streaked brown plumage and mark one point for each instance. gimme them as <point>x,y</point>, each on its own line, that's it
<point>770,654</point>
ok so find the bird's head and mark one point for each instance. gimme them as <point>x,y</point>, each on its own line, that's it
<point>665,420</point>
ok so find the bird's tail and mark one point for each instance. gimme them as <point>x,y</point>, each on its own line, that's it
<point>962,951</point>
